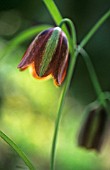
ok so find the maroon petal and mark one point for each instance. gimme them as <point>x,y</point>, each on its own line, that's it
<point>61,61</point>
<point>33,53</point>
<point>92,132</point>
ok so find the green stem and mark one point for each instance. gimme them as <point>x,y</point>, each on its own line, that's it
<point>60,107</point>
<point>93,76</point>
<point>95,28</point>
<point>66,87</point>
<point>17,149</point>
<point>73,32</point>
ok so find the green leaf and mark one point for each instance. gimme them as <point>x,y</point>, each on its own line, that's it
<point>21,38</point>
<point>17,150</point>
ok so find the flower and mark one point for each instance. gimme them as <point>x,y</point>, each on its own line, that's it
<point>92,132</point>
<point>47,55</point>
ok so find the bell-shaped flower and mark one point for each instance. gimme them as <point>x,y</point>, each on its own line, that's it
<point>91,135</point>
<point>47,55</point>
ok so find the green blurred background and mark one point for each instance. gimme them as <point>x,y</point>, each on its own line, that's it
<point>28,106</point>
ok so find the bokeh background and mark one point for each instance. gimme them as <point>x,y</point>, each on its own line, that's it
<point>28,106</point>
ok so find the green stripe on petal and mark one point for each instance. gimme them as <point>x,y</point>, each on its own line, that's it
<point>49,50</point>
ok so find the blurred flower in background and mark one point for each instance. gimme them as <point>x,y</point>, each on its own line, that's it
<point>92,132</point>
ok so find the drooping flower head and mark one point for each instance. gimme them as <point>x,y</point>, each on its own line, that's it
<point>47,55</point>
<point>91,134</point>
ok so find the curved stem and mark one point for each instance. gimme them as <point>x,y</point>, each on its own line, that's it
<point>73,32</point>
<point>65,89</point>
<point>93,76</point>
<point>17,149</point>
<point>95,28</point>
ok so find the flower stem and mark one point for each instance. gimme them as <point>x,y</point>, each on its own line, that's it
<point>95,28</point>
<point>17,149</point>
<point>60,107</point>
<point>66,86</point>
<point>93,76</point>
<point>73,32</point>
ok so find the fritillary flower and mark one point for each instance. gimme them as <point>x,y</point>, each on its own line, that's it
<point>47,55</point>
<point>92,132</point>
